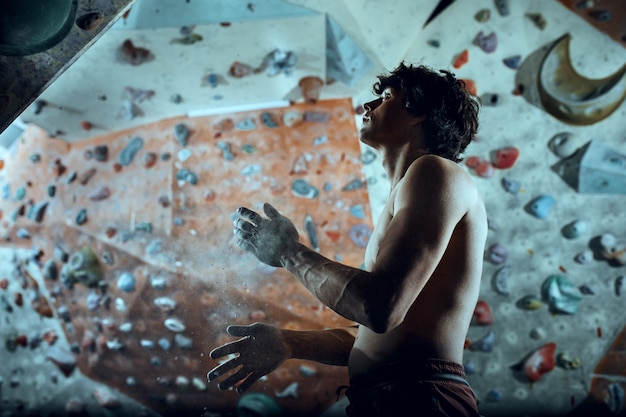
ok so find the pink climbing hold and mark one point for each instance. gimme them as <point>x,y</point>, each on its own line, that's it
<point>482,314</point>
<point>540,362</point>
<point>505,158</point>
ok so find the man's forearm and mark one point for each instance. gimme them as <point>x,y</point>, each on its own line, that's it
<point>331,347</point>
<point>338,286</point>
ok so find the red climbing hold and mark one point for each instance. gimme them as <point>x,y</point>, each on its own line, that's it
<point>505,158</point>
<point>484,169</point>
<point>540,362</point>
<point>473,162</point>
<point>482,314</point>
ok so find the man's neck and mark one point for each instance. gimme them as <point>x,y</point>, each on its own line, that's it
<point>396,162</point>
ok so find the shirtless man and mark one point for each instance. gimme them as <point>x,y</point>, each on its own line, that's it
<point>415,298</point>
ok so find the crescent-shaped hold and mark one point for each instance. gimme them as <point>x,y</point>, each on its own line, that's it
<point>572,98</point>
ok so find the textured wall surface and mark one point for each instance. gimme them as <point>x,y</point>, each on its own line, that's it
<point>553,293</point>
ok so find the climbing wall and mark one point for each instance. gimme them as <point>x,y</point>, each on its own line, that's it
<point>135,245</point>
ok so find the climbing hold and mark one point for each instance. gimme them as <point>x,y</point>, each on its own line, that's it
<point>227,153</point>
<point>484,169</point>
<point>560,294</point>
<point>246,124</point>
<point>310,87</point>
<point>279,61</point>
<point>251,169</point>
<point>500,278</point>
<point>301,188</point>
<point>135,55</point>
<point>572,98</point>
<point>86,176</point>
<point>584,257</point>
<point>149,159</point>
<point>503,7</point>
<point>82,267</point>
<point>537,333</point>
<point>485,343</point>
<point>185,175</point>
<point>513,62</point>
<point>181,133</point>
<point>127,155</point>
<point>488,43</point>
<point>360,235</point>
<point>494,396</point>
<point>316,116</point>
<point>355,184</point>
<point>490,99</point>
<point>537,19</point>
<point>434,43</point>
<point>565,361</point>
<point>529,302</point>
<point>300,165</point>
<point>90,21</point>
<point>357,211</point>
<point>615,399</point>
<point>587,289</point>
<point>309,226</point>
<point>81,217</point>
<point>63,359</point>
<point>176,98</point>
<point>240,70</point>
<point>268,120</point>
<point>540,206</point>
<point>292,118</point>
<point>20,193</point>
<point>594,169</point>
<point>470,86</point>
<point>126,282</point>
<point>174,324</point>
<point>482,314</point>
<point>483,15</point>
<point>601,15</point>
<point>619,285</point>
<point>100,153</point>
<point>497,254</point>
<point>461,59</point>
<point>574,229</point>
<point>37,211</point>
<point>510,186</point>
<point>258,404</point>
<point>505,158</point>
<point>612,249</point>
<point>564,144</point>
<point>538,362</point>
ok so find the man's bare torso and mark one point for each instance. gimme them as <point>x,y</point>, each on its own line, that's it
<point>437,322</point>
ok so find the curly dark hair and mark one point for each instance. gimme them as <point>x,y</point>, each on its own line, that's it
<point>451,111</point>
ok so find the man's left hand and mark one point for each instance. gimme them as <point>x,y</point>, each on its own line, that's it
<point>267,238</point>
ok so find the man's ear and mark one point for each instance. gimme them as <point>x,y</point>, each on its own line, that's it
<point>418,119</point>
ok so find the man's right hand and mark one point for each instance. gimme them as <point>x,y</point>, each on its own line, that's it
<point>260,350</point>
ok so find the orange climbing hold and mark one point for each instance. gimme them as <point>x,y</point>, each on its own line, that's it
<point>470,86</point>
<point>461,59</point>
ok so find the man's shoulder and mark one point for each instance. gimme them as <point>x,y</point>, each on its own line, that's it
<point>437,166</point>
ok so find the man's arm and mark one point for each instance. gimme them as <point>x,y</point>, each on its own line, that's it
<point>428,205</point>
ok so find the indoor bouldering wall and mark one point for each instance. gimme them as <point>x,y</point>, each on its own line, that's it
<point>135,247</point>
<point>548,337</point>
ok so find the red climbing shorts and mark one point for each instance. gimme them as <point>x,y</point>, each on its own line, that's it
<point>433,387</point>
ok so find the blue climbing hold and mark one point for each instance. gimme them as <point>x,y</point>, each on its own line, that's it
<point>540,206</point>
<point>126,282</point>
<point>129,152</point>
